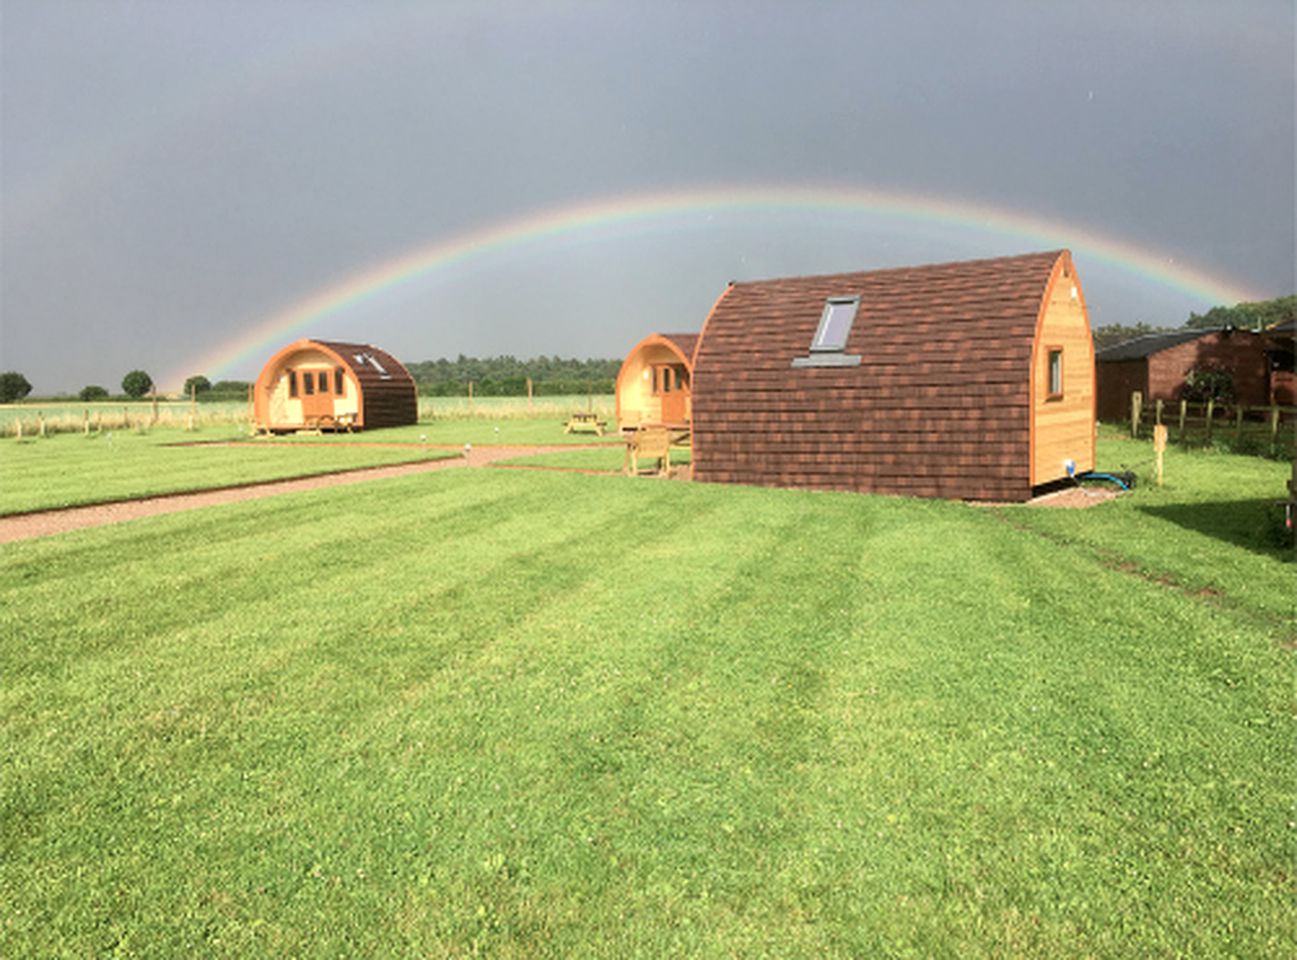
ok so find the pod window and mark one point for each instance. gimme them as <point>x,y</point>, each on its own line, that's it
<point>829,344</point>
<point>1055,373</point>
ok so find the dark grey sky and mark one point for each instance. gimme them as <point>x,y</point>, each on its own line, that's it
<point>176,173</point>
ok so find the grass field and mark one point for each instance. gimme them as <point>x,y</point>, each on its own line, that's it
<point>535,714</point>
<point>70,468</point>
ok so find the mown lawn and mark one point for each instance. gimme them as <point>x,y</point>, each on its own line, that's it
<point>72,468</point>
<point>539,714</point>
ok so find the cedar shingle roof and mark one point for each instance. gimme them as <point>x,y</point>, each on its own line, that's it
<point>684,342</point>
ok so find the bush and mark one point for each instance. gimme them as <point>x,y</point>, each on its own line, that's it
<point>93,392</point>
<point>1207,383</point>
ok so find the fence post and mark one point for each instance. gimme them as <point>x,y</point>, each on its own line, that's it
<point>1184,412</point>
<point>85,422</point>
<point>1159,448</point>
<point>1136,408</point>
<point>1274,427</point>
<point>40,422</point>
<point>529,396</point>
<point>470,396</point>
<point>1238,423</point>
<point>1211,413</point>
<point>18,427</point>
<point>1157,412</point>
<point>154,421</point>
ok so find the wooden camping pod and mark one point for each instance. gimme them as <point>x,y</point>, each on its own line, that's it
<point>655,382</point>
<point>324,384</point>
<point>970,380</point>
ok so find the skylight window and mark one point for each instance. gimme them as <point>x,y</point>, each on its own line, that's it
<point>829,345</point>
<point>835,324</point>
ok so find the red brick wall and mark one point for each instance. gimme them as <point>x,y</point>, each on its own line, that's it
<point>1239,352</point>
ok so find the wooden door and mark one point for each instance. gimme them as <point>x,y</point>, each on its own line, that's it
<point>671,385</point>
<point>317,397</point>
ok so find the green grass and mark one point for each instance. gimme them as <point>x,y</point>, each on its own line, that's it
<point>611,460</point>
<point>70,468</point>
<point>537,714</point>
<point>456,431</point>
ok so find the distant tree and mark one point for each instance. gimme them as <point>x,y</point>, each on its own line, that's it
<point>13,386</point>
<point>1245,316</point>
<point>197,384</point>
<point>93,392</point>
<point>136,384</point>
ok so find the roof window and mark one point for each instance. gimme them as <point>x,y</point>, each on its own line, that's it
<point>830,340</point>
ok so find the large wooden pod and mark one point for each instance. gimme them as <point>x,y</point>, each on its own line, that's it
<point>655,382</point>
<point>331,385</point>
<point>970,380</point>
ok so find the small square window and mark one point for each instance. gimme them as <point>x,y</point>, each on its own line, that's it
<point>1055,374</point>
<point>835,324</point>
<point>337,381</point>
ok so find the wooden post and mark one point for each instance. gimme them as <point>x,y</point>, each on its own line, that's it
<point>99,421</point>
<point>470,398</point>
<point>85,422</point>
<point>589,397</point>
<point>1159,448</point>
<point>1274,428</point>
<point>193,399</point>
<point>1238,423</point>
<point>529,396</point>
<point>1211,413</point>
<point>1184,412</point>
<point>40,423</point>
<point>18,427</point>
<point>155,406</point>
<point>1157,412</point>
<point>1136,408</point>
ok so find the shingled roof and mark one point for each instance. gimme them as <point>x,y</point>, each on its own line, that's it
<point>1149,344</point>
<point>684,342</point>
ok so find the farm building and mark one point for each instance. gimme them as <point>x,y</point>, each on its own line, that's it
<point>1260,365</point>
<point>321,384</point>
<point>969,380</point>
<point>655,381</point>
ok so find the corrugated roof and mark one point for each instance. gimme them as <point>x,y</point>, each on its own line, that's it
<point>1148,345</point>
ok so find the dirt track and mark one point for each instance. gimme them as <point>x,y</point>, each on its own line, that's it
<point>48,522</point>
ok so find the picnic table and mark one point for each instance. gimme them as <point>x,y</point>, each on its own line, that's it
<point>585,423</point>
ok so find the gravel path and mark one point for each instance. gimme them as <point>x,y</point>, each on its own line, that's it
<point>48,522</point>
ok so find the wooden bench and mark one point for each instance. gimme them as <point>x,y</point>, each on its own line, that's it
<point>652,444</point>
<point>585,423</point>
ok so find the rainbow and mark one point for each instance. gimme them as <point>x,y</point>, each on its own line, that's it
<point>646,210</point>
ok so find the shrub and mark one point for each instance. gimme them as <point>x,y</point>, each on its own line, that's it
<point>1207,383</point>
<point>93,391</point>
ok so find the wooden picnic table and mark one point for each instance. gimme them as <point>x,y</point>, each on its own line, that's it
<point>585,423</point>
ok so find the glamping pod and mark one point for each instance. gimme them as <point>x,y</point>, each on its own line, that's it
<point>321,384</point>
<point>655,383</point>
<point>970,380</point>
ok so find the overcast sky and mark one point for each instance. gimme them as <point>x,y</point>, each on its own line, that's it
<point>176,174</point>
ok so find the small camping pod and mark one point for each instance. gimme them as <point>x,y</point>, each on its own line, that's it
<point>655,383</point>
<point>970,380</point>
<point>322,384</point>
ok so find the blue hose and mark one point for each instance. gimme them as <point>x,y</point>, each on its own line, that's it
<point>1104,476</point>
